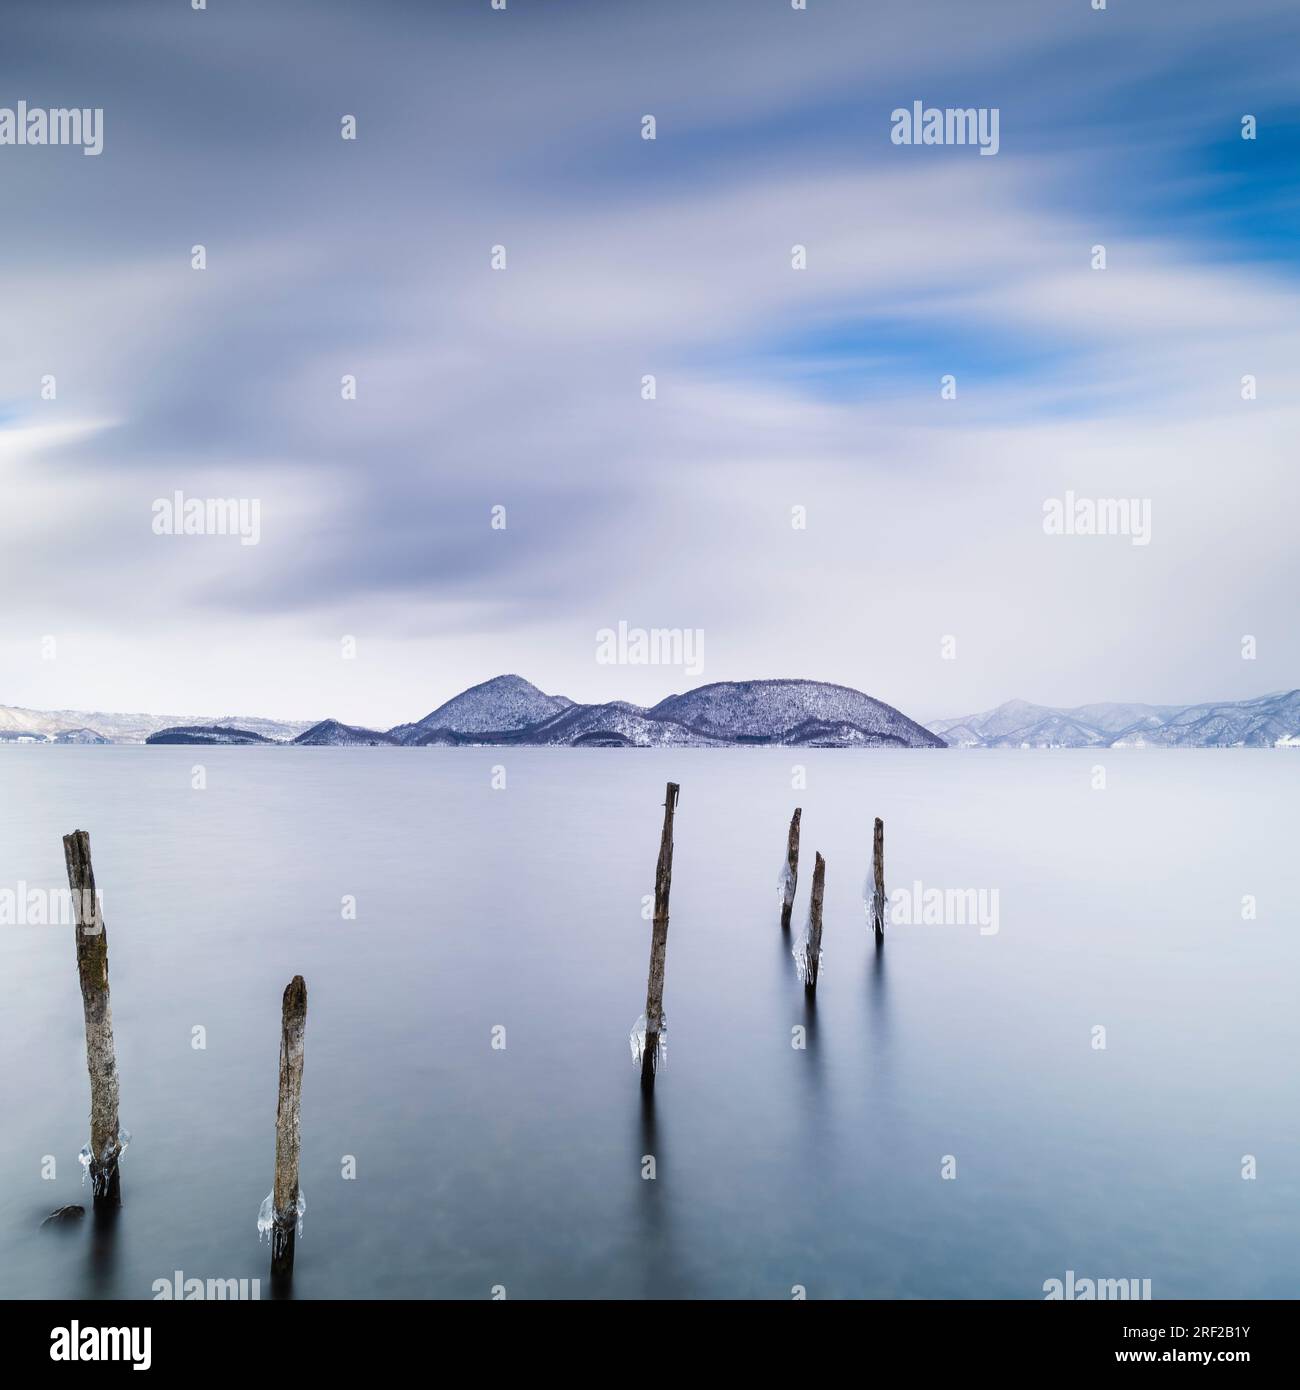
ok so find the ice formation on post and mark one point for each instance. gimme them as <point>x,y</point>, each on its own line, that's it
<point>784,885</point>
<point>872,908</point>
<point>266,1214</point>
<point>637,1040</point>
<point>800,951</point>
<point>85,1156</point>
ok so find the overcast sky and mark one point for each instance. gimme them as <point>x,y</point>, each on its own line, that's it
<point>776,388</point>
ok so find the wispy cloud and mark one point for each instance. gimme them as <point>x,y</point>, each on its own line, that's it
<point>774,387</point>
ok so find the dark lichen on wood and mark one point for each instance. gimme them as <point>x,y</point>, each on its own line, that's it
<point>654,1002</point>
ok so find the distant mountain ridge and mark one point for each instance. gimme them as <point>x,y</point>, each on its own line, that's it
<point>511,711</point>
<point>1267,721</point>
<point>84,726</point>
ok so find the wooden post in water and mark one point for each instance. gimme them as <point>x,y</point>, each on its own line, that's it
<point>878,869</point>
<point>791,869</point>
<point>654,995</point>
<point>101,1060</point>
<point>815,925</point>
<point>288,1139</point>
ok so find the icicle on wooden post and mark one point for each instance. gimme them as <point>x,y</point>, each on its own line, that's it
<point>654,995</point>
<point>105,1148</point>
<point>813,947</point>
<point>286,1199</point>
<point>878,889</point>
<point>791,875</point>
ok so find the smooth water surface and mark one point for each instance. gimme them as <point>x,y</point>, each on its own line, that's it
<point>522,909</point>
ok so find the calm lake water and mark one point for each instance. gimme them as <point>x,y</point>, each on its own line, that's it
<point>775,1166</point>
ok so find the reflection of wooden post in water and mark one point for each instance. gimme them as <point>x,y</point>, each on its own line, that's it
<point>878,891</point>
<point>654,995</point>
<point>815,925</point>
<point>101,1062</point>
<point>791,869</point>
<point>284,1196</point>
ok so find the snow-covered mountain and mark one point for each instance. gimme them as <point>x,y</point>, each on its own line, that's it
<point>62,736</point>
<point>1269,721</point>
<point>615,724</point>
<point>329,733</point>
<point>502,705</point>
<point>790,711</point>
<point>208,735</point>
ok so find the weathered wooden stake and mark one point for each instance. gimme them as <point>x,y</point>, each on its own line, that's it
<point>654,995</point>
<point>101,1061</point>
<point>791,869</point>
<point>878,869</point>
<point>815,925</point>
<point>288,1139</point>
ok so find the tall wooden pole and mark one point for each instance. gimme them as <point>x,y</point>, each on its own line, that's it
<point>654,995</point>
<point>815,926</point>
<point>101,1060</point>
<point>288,1139</point>
<point>791,876</point>
<point>878,870</point>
